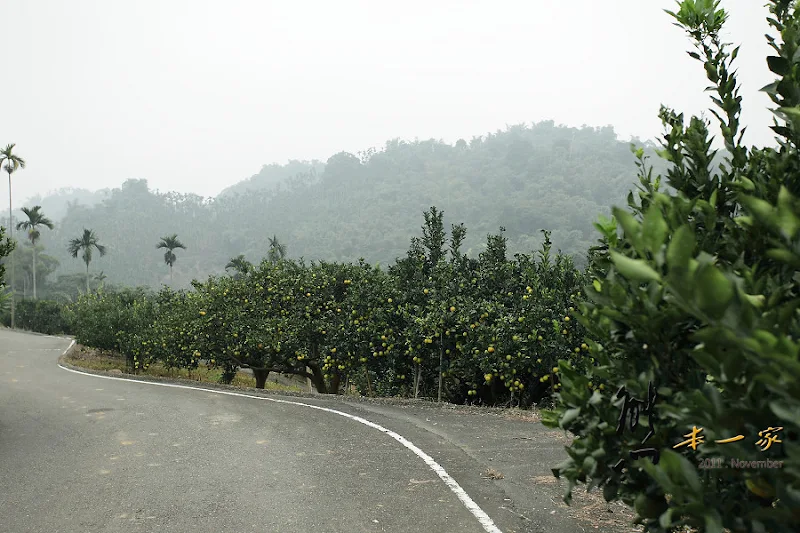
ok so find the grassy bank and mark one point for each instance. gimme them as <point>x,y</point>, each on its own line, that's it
<point>92,359</point>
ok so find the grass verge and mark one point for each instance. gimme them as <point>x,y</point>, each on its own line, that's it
<point>92,359</point>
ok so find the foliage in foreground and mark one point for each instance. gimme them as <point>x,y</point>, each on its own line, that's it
<point>700,297</point>
<point>493,326</point>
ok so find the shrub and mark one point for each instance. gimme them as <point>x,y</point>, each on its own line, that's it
<point>699,295</point>
<point>42,316</point>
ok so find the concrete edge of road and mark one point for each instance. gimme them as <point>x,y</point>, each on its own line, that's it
<point>395,402</point>
<point>472,507</point>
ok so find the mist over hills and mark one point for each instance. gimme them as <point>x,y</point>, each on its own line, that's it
<point>525,178</point>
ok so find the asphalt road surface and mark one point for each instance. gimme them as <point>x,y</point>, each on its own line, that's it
<point>82,454</point>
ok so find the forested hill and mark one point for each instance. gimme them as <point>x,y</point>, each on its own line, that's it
<point>525,178</point>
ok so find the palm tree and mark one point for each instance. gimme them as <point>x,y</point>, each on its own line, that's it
<point>35,219</point>
<point>85,243</point>
<point>241,265</point>
<point>277,251</point>
<point>12,163</point>
<point>171,243</point>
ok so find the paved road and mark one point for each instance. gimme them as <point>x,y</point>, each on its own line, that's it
<point>86,454</point>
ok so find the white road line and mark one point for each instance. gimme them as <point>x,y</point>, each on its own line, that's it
<point>469,503</point>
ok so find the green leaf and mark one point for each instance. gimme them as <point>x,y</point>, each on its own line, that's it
<point>783,411</point>
<point>681,248</point>
<point>771,88</point>
<point>713,291</point>
<point>760,209</point>
<point>568,416</point>
<point>665,520</point>
<point>787,220</point>
<point>678,468</point>
<point>792,113</point>
<point>654,229</point>
<point>784,256</point>
<point>596,398</point>
<point>634,269</point>
<point>629,224</point>
<point>746,184</point>
<point>778,65</point>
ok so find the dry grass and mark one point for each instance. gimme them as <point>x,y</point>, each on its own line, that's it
<point>491,473</point>
<point>592,509</point>
<point>523,415</point>
<point>92,359</point>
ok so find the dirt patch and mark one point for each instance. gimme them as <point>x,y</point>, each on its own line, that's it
<point>491,473</point>
<point>524,415</point>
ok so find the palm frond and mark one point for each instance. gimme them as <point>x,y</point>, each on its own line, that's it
<point>170,242</point>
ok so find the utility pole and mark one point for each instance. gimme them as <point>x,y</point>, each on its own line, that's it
<point>441,357</point>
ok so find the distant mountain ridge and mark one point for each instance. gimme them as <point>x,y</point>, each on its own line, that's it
<point>273,175</point>
<point>525,178</point>
<point>56,203</point>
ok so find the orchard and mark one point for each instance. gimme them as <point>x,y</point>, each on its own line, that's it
<point>437,324</point>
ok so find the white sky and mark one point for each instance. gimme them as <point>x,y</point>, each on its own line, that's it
<point>197,95</point>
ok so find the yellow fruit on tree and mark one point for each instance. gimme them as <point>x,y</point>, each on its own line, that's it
<point>490,349</point>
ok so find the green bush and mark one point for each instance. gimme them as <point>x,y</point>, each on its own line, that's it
<point>699,295</point>
<point>103,319</point>
<point>42,316</point>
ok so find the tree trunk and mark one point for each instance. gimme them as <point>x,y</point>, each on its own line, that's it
<point>34,271</point>
<point>11,258</point>
<point>87,278</point>
<point>170,275</point>
<point>335,384</point>
<point>261,377</point>
<point>318,380</point>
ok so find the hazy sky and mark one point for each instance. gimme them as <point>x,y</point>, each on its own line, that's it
<point>196,95</point>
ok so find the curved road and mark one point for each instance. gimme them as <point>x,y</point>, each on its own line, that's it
<point>82,453</point>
